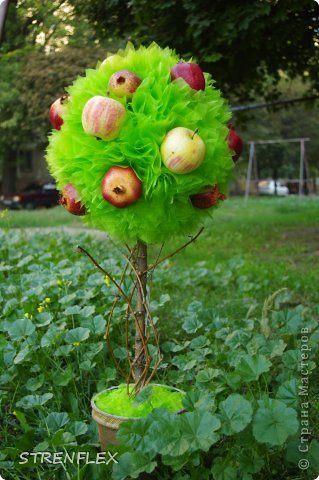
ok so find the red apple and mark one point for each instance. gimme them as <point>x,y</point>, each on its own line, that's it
<point>191,73</point>
<point>182,150</point>
<point>56,111</point>
<point>123,83</point>
<point>102,117</point>
<point>208,197</point>
<point>235,143</point>
<point>121,186</point>
<point>70,200</point>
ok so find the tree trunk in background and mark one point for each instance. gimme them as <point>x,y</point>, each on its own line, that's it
<point>9,172</point>
<point>141,267</point>
<point>275,178</point>
<point>3,14</point>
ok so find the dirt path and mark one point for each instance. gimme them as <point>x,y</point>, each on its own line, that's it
<point>56,230</point>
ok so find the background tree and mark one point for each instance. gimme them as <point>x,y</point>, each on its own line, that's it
<point>243,44</point>
<point>45,47</point>
<point>298,120</point>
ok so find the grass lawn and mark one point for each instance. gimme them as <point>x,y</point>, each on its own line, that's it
<point>248,251</point>
<point>208,302</point>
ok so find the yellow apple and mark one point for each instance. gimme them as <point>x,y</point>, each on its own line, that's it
<point>182,150</point>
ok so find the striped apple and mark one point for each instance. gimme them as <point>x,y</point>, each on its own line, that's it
<point>182,150</point>
<point>102,117</point>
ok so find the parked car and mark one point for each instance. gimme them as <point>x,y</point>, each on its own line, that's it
<point>269,187</point>
<point>32,197</point>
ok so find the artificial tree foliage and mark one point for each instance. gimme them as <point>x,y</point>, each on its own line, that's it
<point>164,209</point>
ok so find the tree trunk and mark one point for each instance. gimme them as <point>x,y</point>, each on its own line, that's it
<point>275,178</point>
<point>9,172</point>
<point>141,267</point>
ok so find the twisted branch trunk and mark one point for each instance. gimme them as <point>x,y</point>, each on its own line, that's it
<point>139,346</point>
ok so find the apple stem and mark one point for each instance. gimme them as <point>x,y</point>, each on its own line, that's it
<point>120,189</point>
<point>64,98</point>
<point>195,131</point>
<point>140,339</point>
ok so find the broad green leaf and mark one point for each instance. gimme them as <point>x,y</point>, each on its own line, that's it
<point>131,465</point>
<point>195,306</point>
<point>7,378</point>
<point>87,311</point>
<point>96,325</point>
<point>34,383</point>
<point>197,399</point>
<point>290,359</point>
<point>31,401</point>
<point>237,338</point>
<point>63,378</point>
<point>61,438</point>
<point>78,334</point>
<point>223,470</point>
<point>56,420</point>
<point>25,261</point>
<point>288,393</point>
<point>43,319</point>
<point>199,342</point>
<point>144,395</point>
<point>207,375</point>
<point>191,323</point>
<point>233,380</point>
<point>120,353</point>
<point>87,365</point>
<point>165,435</point>
<point>94,349</point>
<point>78,428</point>
<point>67,298</point>
<point>49,336</point>
<point>177,462</point>
<point>274,422</point>
<point>251,367</point>
<point>8,352</point>
<point>164,298</point>
<point>63,351</point>
<point>199,429</point>
<point>24,355</point>
<point>9,306</point>
<point>250,460</point>
<point>135,434</point>
<point>73,310</point>
<point>21,329</point>
<point>235,414</point>
<point>42,447</point>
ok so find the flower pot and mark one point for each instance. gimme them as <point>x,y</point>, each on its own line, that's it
<point>108,424</point>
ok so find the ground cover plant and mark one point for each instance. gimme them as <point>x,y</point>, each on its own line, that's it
<point>232,342</point>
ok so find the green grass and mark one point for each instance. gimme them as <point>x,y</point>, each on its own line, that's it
<point>249,248</point>
<point>207,301</point>
<point>41,217</point>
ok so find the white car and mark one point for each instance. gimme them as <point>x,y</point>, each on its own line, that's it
<point>267,187</point>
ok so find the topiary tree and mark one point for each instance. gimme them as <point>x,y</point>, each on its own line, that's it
<point>142,154</point>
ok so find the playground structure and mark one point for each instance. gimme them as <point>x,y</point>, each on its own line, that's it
<point>252,168</point>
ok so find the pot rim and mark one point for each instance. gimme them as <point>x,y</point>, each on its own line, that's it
<point>102,412</point>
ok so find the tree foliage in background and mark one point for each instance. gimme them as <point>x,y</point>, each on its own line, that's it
<point>243,44</point>
<point>295,121</point>
<point>45,47</point>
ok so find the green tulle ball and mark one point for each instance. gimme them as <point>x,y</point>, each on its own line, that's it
<point>157,106</point>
